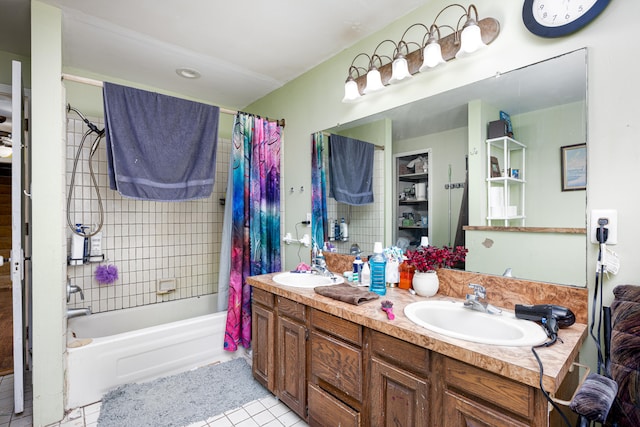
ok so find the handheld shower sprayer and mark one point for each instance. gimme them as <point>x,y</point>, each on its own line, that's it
<point>94,147</point>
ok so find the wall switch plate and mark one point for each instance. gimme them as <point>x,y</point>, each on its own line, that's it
<point>308,219</point>
<point>612,226</point>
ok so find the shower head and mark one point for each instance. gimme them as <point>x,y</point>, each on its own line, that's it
<point>91,126</point>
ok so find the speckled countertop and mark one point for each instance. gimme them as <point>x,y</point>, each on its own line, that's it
<point>517,363</point>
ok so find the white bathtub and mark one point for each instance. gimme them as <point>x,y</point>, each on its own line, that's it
<point>105,350</point>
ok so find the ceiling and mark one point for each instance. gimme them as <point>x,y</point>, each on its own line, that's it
<point>243,49</point>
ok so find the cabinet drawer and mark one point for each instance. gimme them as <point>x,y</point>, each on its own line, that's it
<point>343,329</point>
<point>263,297</point>
<point>325,410</point>
<point>400,353</point>
<point>291,309</point>
<point>513,396</point>
<point>338,364</point>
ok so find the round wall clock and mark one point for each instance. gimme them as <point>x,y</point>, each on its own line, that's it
<point>556,18</point>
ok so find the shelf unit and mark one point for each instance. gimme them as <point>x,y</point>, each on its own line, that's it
<point>506,182</point>
<point>411,194</point>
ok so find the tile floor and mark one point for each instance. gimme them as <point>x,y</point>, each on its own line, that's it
<point>267,412</point>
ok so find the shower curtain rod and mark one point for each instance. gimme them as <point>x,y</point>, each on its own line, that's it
<point>98,83</point>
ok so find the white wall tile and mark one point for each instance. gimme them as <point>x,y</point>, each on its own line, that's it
<point>145,240</point>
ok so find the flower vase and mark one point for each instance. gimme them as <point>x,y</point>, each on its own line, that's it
<point>426,283</point>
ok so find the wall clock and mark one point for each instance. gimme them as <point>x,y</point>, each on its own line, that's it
<point>556,18</point>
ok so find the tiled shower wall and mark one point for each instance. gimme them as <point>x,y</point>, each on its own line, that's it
<point>366,223</point>
<point>147,241</point>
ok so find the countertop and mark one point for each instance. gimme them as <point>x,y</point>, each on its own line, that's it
<point>516,363</point>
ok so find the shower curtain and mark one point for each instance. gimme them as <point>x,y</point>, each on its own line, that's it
<point>255,234</point>
<point>319,225</point>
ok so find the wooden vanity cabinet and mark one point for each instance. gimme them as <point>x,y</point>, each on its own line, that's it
<point>263,338</point>
<point>291,355</point>
<point>399,382</point>
<point>280,348</point>
<point>336,371</point>
<point>472,396</point>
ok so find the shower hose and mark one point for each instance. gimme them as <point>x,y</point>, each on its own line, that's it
<point>94,147</point>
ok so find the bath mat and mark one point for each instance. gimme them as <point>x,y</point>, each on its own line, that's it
<point>181,399</point>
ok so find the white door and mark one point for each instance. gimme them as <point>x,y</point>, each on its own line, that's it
<point>17,253</point>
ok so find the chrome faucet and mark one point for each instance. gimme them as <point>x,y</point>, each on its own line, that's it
<point>473,300</point>
<point>76,312</point>
<point>319,266</point>
<point>72,289</point>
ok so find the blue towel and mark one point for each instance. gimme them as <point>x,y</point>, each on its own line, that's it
<point>350,170</point>
<point>159,147</point>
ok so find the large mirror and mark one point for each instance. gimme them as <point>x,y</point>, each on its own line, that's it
<point>546,105</point>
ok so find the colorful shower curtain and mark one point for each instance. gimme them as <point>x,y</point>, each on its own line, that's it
<point>255,235</point>
<point>319,226</point>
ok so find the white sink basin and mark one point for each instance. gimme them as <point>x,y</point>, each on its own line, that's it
<point>454,320</point>
<point>304,280</point>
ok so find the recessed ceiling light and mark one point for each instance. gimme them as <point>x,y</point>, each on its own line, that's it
<point>188,73</point>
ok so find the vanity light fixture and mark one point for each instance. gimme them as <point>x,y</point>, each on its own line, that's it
<point>400,66</point>
<point>467,36</point>
<point>471,37</point>
<point>432,54</point>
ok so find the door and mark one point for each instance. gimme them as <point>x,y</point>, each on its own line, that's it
<point>17,254</point>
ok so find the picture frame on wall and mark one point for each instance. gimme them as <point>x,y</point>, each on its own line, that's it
<point>573,162</point>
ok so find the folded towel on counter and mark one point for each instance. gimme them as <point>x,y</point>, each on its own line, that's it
<point>159,147</point>
<point>350,170</point>
<point>346,293</point>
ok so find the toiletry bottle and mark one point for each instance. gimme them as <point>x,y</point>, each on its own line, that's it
<point>344,230</point>
<point>77,246</point>
<point>336,230</point>
<point>85,250</point>
<point>378,267</point>
<point>95,254</point>
<point>406,274</point>
<point>357,270</point>
<point>365,276</point>
<point>332,231</point>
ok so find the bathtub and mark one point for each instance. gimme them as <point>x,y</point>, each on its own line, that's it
<point>105,350</point>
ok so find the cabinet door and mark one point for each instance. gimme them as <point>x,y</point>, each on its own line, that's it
<point>292,355</point>
<point>263,334</point>
<point>462,411</point>
<point>398,398</point>
<point>325,410</point>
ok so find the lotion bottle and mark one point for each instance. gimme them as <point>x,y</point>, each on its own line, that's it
<point>344,230</point>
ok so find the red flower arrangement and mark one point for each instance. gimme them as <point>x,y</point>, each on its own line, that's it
<point>432,257</point>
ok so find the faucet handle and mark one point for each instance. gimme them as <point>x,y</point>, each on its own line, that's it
<point>478,290</point>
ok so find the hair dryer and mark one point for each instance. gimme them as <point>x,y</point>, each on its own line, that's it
<point>551,316</point>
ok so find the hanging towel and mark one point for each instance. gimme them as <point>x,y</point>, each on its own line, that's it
<point>159,147</point>
<point>350,170</point>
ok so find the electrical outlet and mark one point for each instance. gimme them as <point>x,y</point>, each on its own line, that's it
<point>308,219</point>
<point>612,218</point>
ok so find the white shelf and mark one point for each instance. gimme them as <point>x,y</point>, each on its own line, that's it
<point>506,193</point>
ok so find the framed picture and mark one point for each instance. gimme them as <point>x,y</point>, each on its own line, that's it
<point>574,167</point>
<point>495,167</point>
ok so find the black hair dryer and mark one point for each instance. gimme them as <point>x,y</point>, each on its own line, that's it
<point>551,316</point>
